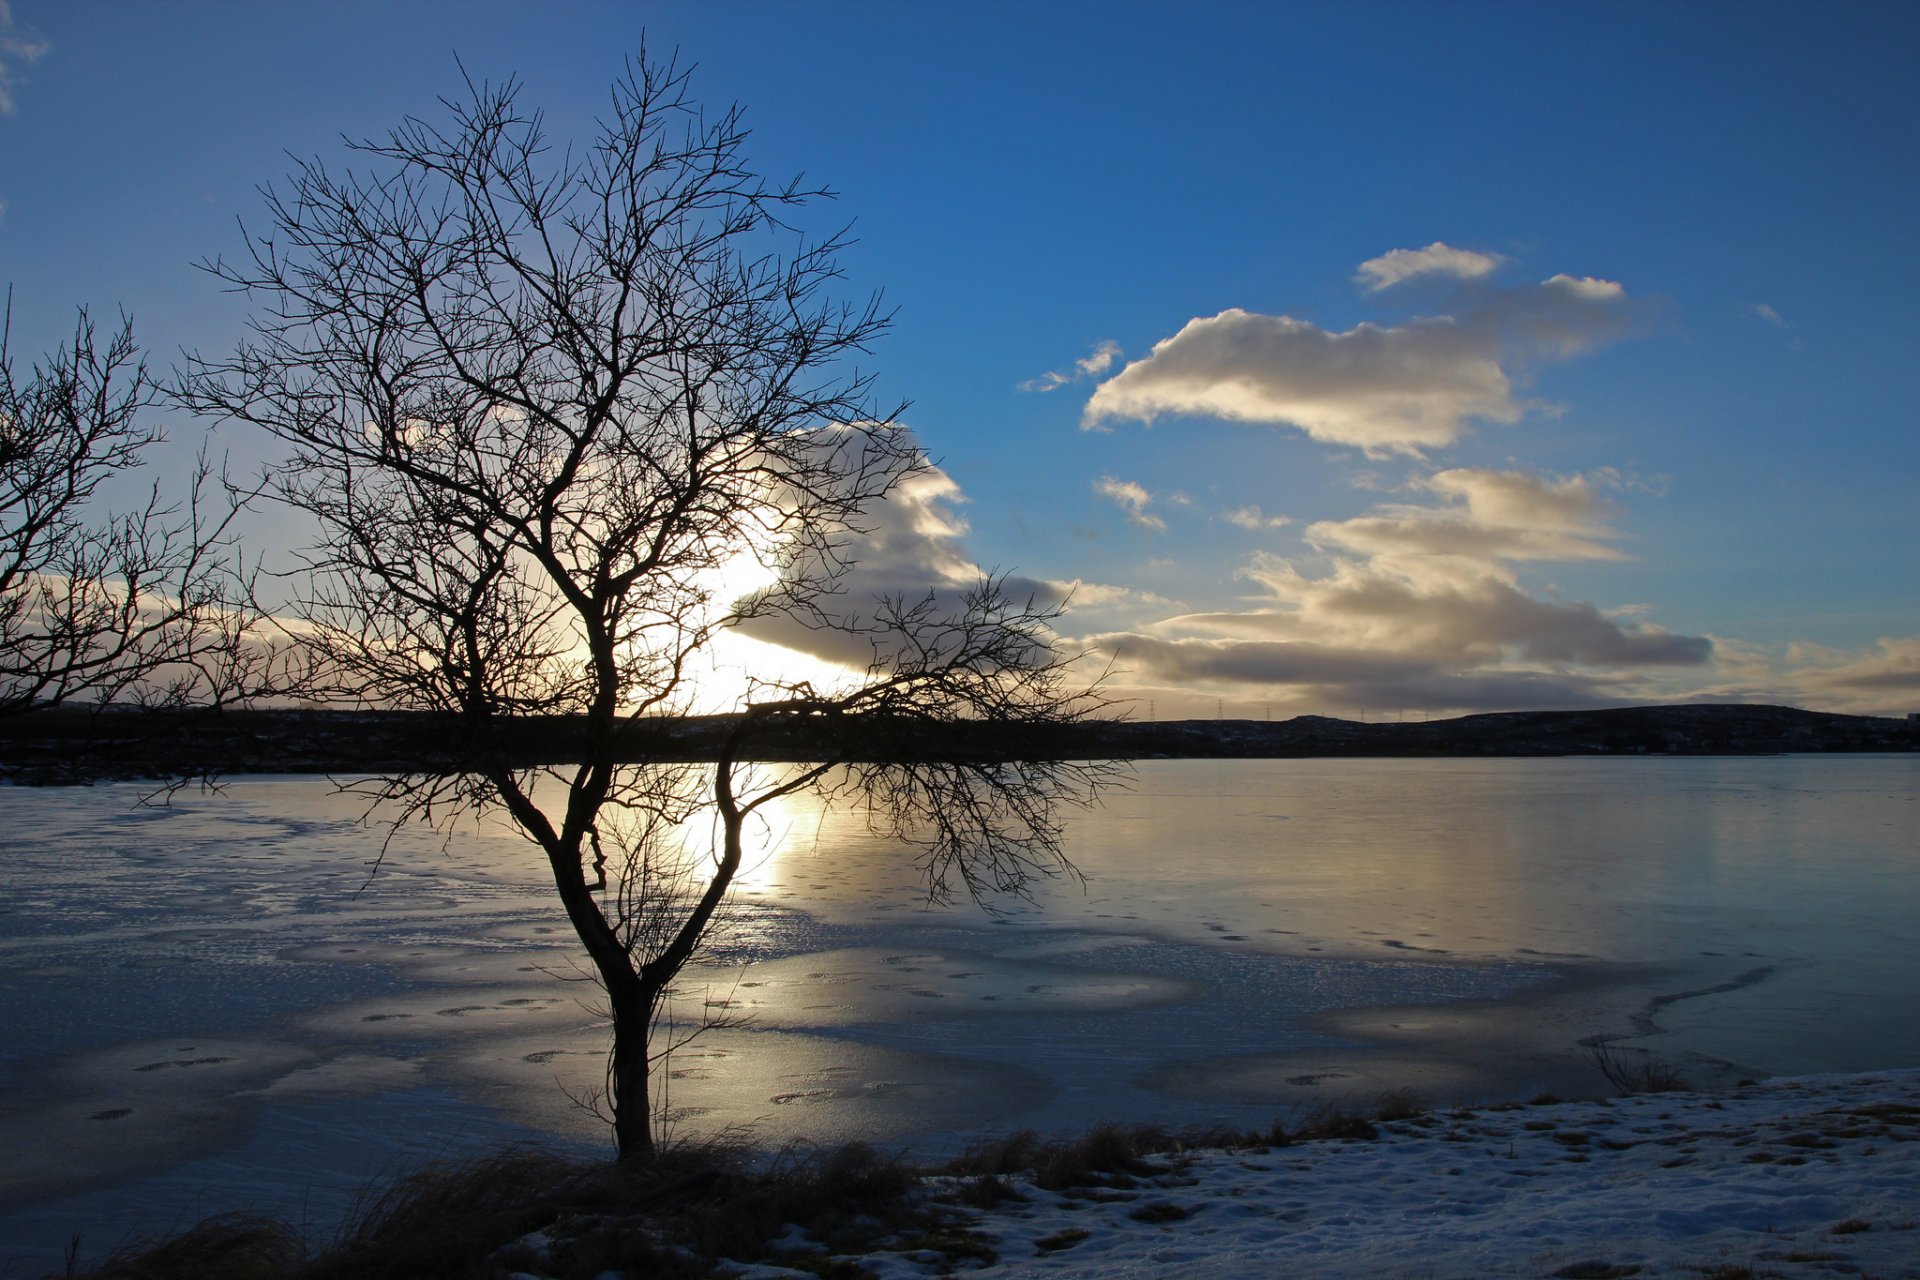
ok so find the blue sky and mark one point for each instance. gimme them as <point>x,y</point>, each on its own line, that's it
<point>1630,416</point>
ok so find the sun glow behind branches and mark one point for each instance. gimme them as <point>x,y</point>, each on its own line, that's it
<point>741,669</point>
<point>735,669</point>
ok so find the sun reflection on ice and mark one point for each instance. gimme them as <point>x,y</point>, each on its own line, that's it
<point>770,838</point>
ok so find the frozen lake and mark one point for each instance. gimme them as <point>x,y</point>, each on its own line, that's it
<point>215,1006</point>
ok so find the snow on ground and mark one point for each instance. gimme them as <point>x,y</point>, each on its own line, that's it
<point>1814,1176</point>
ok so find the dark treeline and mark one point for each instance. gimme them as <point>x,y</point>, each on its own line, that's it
<point>72,744</point>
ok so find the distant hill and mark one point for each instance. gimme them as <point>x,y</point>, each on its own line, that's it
<point>69,745</point>
<point>1716,729</point>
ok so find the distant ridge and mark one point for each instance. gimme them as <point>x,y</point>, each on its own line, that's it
<point>75,745</point>
<point>1691,729</point>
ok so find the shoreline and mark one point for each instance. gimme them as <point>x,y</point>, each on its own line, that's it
<point>75,745</point>
<point>1795,1176</point>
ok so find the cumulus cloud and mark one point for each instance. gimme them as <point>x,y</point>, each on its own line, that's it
<point>17,50</point>
<point>910,545</point>
<point>1437,258</point>
<point>1252,518</point>
<point>1420,606</point>
<point>1401,388</point>
<point>1495,515</point>
<point>1131,498</point>
<point>1090,366</point>
<point>1442,610</point>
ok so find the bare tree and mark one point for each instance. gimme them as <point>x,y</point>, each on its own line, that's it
<point>541,403</point>
<point>141,606</point>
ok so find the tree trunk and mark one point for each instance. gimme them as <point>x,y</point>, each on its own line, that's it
<point>628,1096</point>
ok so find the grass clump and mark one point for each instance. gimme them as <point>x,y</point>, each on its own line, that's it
<point>1109,1155</point>
<point>449,1217</point>
<point>842,1196</point>
<point>1331,1123</point>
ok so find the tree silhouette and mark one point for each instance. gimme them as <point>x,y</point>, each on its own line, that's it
<point>540,403</point>
<point>143,606</point>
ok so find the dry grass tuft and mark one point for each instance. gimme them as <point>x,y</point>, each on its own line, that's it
<point>1332,1123</point>
<point>448,1218</point>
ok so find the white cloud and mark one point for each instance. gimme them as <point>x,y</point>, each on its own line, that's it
<point>1090,366</point>
<point>1099,362</point>
<point>1402,388</point>
<point>1491,515</point>
<point>1251,517</point>
<point>1437,258</point>
<point>1419,607</point>
<point>909,546</point>
<point>1444,609</point>
<point>1102,604</point>
<point>1767,313</point>
<point>16,51</point>
<point>1131,498</point>
<point>1586,287</point>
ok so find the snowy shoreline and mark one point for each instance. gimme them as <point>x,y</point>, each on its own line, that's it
<point>1815,1175</point>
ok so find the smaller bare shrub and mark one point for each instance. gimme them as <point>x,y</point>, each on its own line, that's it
<point>1634,1071</point>
<point>1329,1122</point>
<point>986,1190</point>
<point>1015,1153</point>
<point>1399,1104</point>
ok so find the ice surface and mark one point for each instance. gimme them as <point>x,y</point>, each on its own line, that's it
<point>222,1004</point>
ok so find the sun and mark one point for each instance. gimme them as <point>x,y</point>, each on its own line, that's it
<point>734,667</point>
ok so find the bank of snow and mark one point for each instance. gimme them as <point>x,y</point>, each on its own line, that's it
<point>1818,1175</point>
